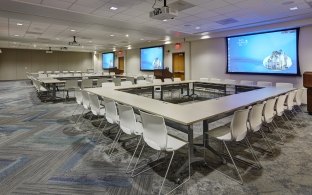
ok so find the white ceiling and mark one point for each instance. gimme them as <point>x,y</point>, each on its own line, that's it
<point>48,23</point>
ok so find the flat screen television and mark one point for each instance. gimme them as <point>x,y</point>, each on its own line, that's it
<point>108,60</point>
<point>152,58</point>
<point>269,53</point>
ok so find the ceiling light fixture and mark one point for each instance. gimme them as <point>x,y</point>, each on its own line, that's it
<point>113,8</point>
<point>293,8</point>
<point>114,49</point>
<point>72,30</point>
<point>167,42</point>
<point>112,35</point>
<point>19,24</point>
<point>205,37</point>
<point>127,35</point>
<point>197,27</point>
<point>165,20</point>
<point>16,35</point>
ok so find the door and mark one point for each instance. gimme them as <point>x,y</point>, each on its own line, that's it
<point>178,65</point>
<point>121,63</point>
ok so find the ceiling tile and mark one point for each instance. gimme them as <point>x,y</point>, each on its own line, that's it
<point>58,3</point>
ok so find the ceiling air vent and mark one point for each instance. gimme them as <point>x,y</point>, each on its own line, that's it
<point>227,21</point>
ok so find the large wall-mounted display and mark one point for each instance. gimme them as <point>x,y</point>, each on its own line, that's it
<point>152,58</point>
<point>264,53</point>
<point>108,60</point>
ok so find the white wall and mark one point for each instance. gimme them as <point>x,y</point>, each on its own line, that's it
<point>209,60</point>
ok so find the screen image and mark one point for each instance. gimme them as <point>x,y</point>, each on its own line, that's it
<point>264,53</point>
<point>152,58</point>
<point>108,60</point>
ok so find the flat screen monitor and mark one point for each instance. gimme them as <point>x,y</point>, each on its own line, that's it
<point>108,60</point>
<point>152,58</point>
<point>274,53</point>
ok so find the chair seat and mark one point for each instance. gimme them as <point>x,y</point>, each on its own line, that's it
<point>221,133</point>
<point>174,143</point>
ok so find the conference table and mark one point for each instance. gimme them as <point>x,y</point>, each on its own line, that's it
<point>184,116</point>
<point>51,81</point>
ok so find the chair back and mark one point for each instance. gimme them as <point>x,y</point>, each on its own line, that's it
<point>127,120</point>
<point>111,112</point>
<point>85,99</point>
<point>94,104</point>
<point>290,100</point>
<point>140,78</point>
<point>130,79</point>
<point>108,85</point>
<point>77,74</point>
<point>255,117</point>
<point>167,80</point>
<point>298,97</point>
<point>157,81</point>
<point>246,82</point>
<point>239,124</point>
<point>215,80</point>
<point>126,83</point>
<point>284,85</point>
<point>268,111</point>
<point>100,81</point>
<point>71,84</point>
<point>280,105</point>
<point>78,96</point>
<point>264,84</point>
<point>204,79</point>
<point>86,83</point>
<point>117,81</point>
<point>176,79</point>
<point>154,131</point>
<point>230,81</point>
<point>142,82</point>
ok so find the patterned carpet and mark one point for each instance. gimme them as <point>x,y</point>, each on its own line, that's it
<point>41,152</point>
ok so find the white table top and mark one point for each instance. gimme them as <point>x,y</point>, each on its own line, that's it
<point>193,112</point>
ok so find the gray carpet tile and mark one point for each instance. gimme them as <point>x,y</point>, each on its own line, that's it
<point>42,151</point>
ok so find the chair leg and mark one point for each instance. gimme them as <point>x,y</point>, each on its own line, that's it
<point>266,141</point>
<point>114,144</point>
<point>80,116</point>
<point>253,153</point>
<point>134,154</point>
<point>162,184</point>
<point>228,151</point>
<point>136,163</point>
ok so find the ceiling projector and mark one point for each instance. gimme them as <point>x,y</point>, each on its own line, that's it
<point>163,13</point>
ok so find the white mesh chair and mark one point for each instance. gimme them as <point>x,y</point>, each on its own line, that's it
<point>96,109</point>
<point>70,85</point>
<point>78,97</point>
<point>41,72</point>
<point>254,123</point>
<point>167,80</point>
<point>155,135</point>
<point>100,81</point>
<point>284,85</point>
<point>42,76</point>
<point>215,80</point>
<point>280,108</point>
<point>157,88</point>
<point>117,81</point>
<point>235,133</point>
<point>268,116</point>
<point>142,82</point>
<point>298,99</point>
<point>246,82</point>
<point>289,105</point>
<point>176,79</point>
<point>264,84</point>
<point>204,79</point>
<point>111,116</point>
<point>108,85</point>
<point>85,104</point>
<point>126,83</point>
<point>86,83</point>
<point>77,74</point>
<point>129,126</point>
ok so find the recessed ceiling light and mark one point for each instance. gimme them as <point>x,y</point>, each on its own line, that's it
<point>205,33</point>
<point>205,37</point>
<point>19,24</point>
<point>113,8</point>
<point>72,30</point>
<point>293,8</point>
<point>165,20</point>
<point>167,42</point>
<point>197,27</point>
<point>127,35</point>
<point>112,35</point>
<point>16,35</point>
